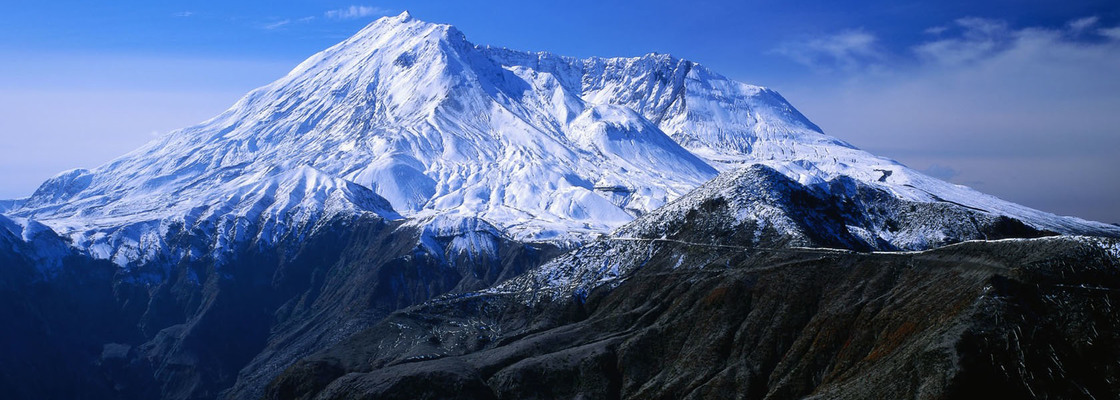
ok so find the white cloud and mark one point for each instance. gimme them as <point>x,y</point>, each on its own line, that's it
<point>845,49</point>
<point>183,14</point>
<point>979,37</point>
<point>935,31</point>
<point>1111,33</point>
<point>354,12</point>
<point>277,24</point>
<point>287,22</point>
<point>975,27</point>
<point>1083,24</point>
<point>1024,113</point>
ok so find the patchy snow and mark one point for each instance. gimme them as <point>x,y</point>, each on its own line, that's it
<point>1109,245</point>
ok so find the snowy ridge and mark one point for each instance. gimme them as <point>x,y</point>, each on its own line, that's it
<point>468,237</point>
<point>759,205</point>
<point>263,207</point>
<point>409,116</point>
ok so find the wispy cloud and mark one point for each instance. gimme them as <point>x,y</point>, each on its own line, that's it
<point>978,37</point>
<point>1081,25</point>
<point>183,14</point>
<point>993,105</point>
<point>845,50</point>
<point>276,24</point>
<point>1111,33</point>
<point>935,31</point>
<point>354,12</point>
<point>285,23</point>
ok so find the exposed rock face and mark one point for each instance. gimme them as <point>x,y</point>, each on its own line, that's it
<point>1016,318</point>
<point>199,327</point>
<point>53,331</point>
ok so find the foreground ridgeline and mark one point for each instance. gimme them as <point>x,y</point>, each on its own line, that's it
<point>1004,319</point>
<point>409,215</point>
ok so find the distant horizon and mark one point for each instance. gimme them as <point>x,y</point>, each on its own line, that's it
<point>1017,104</point>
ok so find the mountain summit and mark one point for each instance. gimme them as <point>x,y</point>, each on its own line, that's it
<point>408,118</point>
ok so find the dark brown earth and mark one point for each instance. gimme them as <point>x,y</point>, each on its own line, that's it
<point>1006,319</point>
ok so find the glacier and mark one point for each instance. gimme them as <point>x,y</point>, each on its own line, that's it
<point>409,119</point>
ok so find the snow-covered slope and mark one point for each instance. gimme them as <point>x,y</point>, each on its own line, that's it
<point>732,125</point>
<point>414,112</point>
<point>131,213</point>
<point>542,147</point>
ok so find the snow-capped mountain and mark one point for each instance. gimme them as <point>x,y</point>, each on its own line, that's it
<point>407,118</point>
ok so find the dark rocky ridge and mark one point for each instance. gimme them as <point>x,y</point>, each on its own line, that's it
<point>1009,319</point>
<point>54,330</point>
<point>192,329</point>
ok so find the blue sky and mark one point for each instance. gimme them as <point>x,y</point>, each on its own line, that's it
<point>1014,98</point>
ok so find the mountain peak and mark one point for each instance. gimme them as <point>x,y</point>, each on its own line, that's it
<point>541,146</point>
<point>404,26</point>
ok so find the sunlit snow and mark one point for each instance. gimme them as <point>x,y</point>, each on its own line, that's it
<point>409,119</point>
